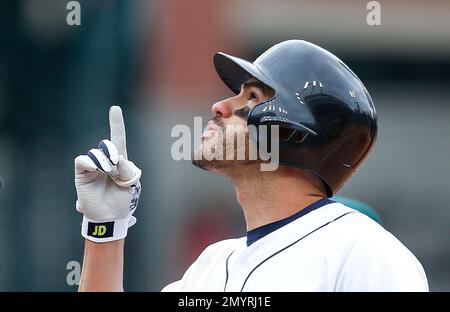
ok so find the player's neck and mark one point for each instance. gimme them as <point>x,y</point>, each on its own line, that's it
<point>266,197</point>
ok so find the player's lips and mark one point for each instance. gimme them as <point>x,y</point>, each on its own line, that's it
<point>210,129</point>
<point>212,126</point>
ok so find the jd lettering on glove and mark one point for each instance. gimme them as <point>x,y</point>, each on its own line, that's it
<point>105,229</point>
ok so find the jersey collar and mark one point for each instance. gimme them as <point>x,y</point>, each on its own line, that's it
<point>260,232</point>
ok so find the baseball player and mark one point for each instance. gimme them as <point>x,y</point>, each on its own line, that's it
<point>298,239</point>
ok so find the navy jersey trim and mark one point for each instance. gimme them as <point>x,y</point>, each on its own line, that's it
<point>260,232</point>
<point>226,271</point>
<point>279,251</point>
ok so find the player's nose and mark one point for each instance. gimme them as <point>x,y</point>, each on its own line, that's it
<point>223,108</point>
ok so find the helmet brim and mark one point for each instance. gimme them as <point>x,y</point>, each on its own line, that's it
<point>234,71</point>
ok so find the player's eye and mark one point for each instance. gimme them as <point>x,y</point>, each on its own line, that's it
<point>252,96</point>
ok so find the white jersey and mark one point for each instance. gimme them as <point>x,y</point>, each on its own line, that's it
<point>333,248</point>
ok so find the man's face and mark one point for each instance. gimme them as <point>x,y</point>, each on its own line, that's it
<point>225,141</point>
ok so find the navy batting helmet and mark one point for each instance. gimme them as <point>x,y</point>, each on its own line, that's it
<point>326,116</point>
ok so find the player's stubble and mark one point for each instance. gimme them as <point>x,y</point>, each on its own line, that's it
<point>205,156</point>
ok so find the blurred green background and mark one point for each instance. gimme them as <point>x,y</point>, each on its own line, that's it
<point>154,59</point>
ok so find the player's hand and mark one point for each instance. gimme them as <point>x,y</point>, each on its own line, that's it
<point>107,185</point>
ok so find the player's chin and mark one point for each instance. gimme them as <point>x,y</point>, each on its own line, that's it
<point>223,167</point>
<point>220,167</point>
<point>223,160</point>
<point>202,161</point>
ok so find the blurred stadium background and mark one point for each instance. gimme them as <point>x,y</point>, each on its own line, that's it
<point>154,58</point>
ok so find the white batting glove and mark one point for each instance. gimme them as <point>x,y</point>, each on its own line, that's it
<point>107,185</point>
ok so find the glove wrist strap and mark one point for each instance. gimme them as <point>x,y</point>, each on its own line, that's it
<point>107,231</point>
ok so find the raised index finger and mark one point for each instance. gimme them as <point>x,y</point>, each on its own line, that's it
<point>117,128</point>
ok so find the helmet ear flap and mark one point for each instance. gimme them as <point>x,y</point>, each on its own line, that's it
<point>273,112</point>
<point>287,134</point>
<point>291,136</point>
